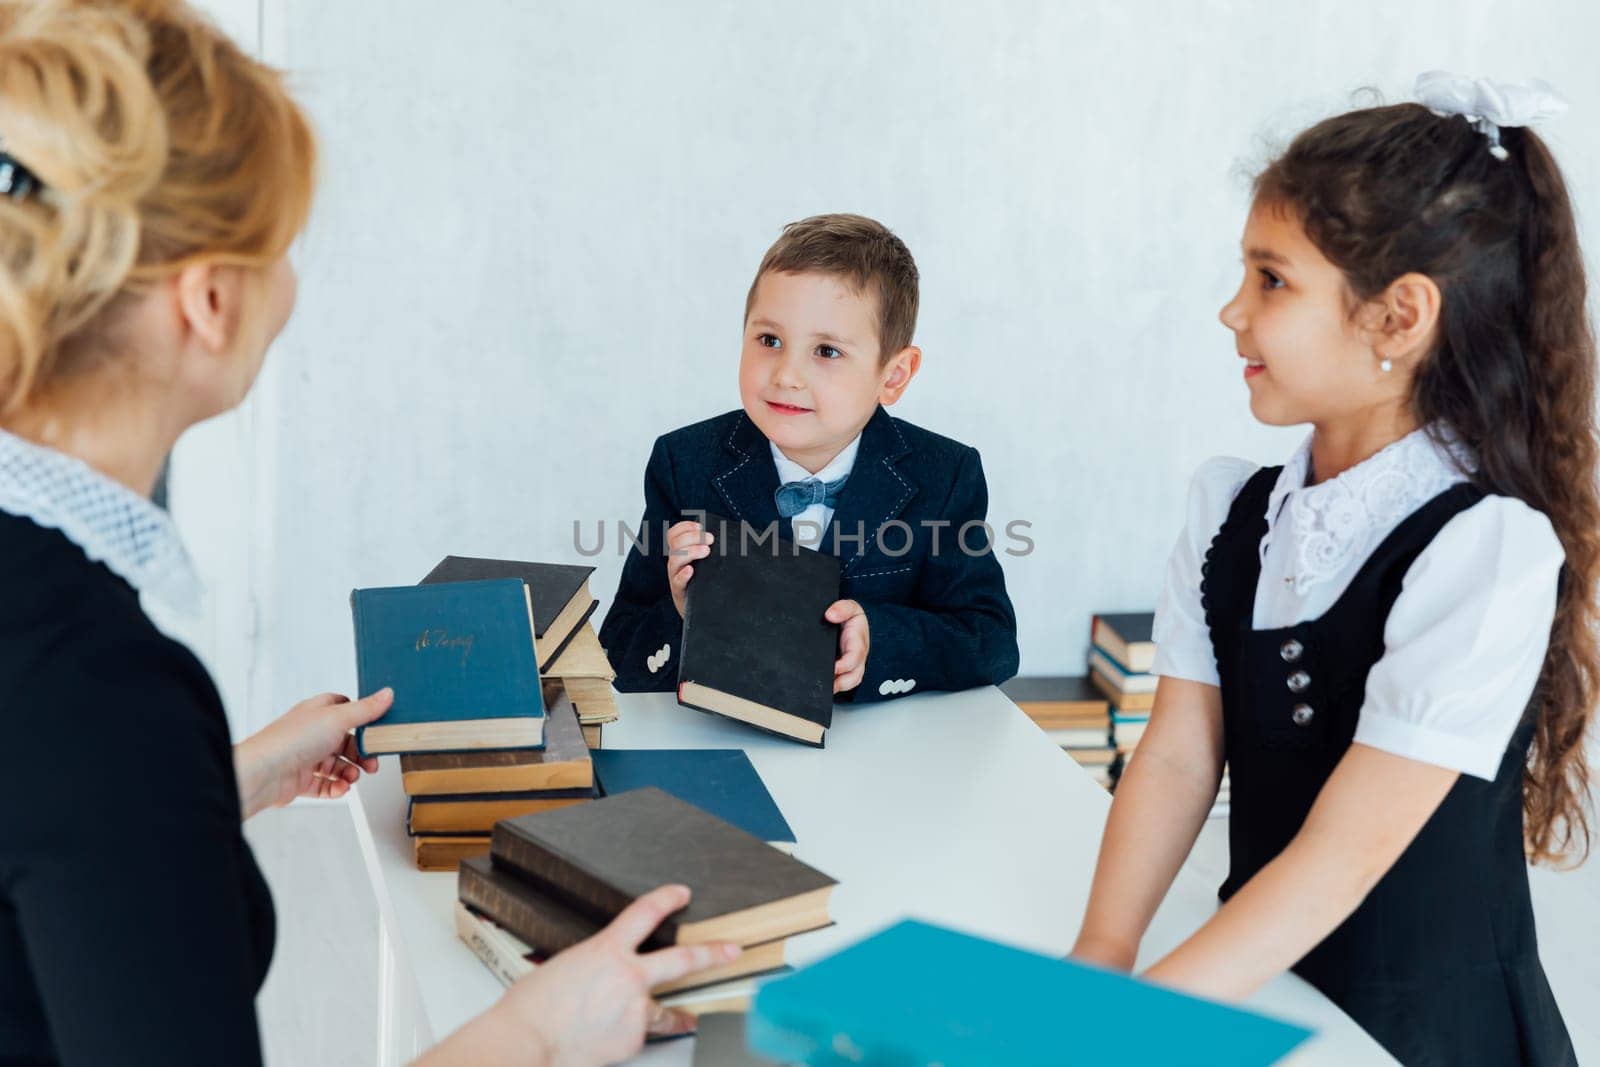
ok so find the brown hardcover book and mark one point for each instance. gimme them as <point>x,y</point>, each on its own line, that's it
<point>594,698</point>
<point>476,813</point>
<point>1058,702</point>
<point>509,958</point>
<point>1128,638</point>
<point>583,657</point>
<point>1120,700</point>
<point>445,853</point>
<point>1080,736</point>
<point>605,854</point>
<point>591,736</point>
<point>563,763</point>
<point>1102,756</point>
<point>550,925</point>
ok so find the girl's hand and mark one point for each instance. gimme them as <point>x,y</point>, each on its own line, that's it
<point>855,638</point>
<point>308,751</point>
<point>1112,955</point>
<point>686,542</point>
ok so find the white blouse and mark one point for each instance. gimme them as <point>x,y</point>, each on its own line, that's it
<point>111,523</point>
<point>1465,641</point>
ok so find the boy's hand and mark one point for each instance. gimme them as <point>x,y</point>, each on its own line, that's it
<point>855,637</point>
<point>686,542</point>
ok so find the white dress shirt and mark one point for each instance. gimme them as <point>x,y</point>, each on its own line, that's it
<point>817,516</point>
<point>1465,641</point>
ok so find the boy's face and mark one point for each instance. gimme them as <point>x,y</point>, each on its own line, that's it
<point>809,374</point>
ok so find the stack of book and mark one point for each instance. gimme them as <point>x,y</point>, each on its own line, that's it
<point>457,797</point>
<point>480,735</point>
<point>1121,654</point>
<point>1073,714</point>
<point>1120,661</point>
<point>564,639</point>
<point>585,675</point>
<point>555,878</point>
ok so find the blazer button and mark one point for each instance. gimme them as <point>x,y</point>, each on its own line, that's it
<point>1302,714</point>
<point>1299,682</point>
<point>1291,651</point>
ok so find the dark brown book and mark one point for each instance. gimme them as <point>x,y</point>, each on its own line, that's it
<point>475,813</point>
<point>549,925</point>
<point>756,646</point>
<point>1129,638</point>
<point>444,853</point>
<point>1059,702</point>
<point>593,697</point>
<point>583,657</point>
<point>563,763</point>
<point>603,855</point>
<point>1120,700</point>
<point>558,594</point>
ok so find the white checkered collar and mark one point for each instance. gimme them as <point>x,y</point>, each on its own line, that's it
<point>111,523</point>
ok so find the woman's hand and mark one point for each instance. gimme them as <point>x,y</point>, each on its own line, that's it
<point>308,751</point>
<point>590,1004</point>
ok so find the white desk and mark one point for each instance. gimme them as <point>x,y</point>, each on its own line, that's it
<point>951,807</point>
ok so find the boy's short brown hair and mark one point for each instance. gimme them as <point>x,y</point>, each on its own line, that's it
<point>864,253</point>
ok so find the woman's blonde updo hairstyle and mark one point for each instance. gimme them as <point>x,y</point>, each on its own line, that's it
<point>156,143</point>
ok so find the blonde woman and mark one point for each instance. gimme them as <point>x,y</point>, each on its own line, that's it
<point>152,177</point>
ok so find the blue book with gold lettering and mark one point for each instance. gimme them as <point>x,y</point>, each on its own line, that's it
<point>460,658</point>
<point>916,993</point>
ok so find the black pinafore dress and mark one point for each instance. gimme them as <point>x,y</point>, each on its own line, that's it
<point>1439,963</point>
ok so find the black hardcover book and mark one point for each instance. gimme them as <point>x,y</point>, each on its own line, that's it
<point>558,592</point>
<point>755,644</point>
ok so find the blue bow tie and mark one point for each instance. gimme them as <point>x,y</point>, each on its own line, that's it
<point>794,497</point>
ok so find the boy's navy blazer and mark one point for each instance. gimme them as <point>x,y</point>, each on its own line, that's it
<point>937,620</point>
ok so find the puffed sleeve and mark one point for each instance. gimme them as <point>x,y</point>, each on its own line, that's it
<point>1466,639</point>
<point>1183,642</point>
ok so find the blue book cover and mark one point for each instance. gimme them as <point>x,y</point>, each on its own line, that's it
<point>460,658</point>
<point>916,993</point>
<point>721,781</point>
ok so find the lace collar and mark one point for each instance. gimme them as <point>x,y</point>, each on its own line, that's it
<point>1342,519</point>
<point>111,523</point>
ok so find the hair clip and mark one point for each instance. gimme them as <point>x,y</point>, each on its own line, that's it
<point>16,180</point>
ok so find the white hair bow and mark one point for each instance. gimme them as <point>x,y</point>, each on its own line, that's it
<point>1487,104</point>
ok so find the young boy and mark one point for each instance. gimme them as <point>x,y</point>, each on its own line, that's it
<point>813,454</point>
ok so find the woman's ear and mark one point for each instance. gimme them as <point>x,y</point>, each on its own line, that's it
<point>211,304</point>
<point>903,367</point>
<point>1406,318</point>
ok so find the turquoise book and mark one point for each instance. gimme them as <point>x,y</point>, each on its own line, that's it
<point>460,658</point>
<point>722,781</point>
<point>921,994</point>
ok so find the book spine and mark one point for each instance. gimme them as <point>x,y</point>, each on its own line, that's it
<point>494,955</point>
<point>528,859</point>
<point>516,915</point>
<point>361,668</point>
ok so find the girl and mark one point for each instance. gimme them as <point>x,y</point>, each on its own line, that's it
<point>152,177</point>
<point>1389,639</point>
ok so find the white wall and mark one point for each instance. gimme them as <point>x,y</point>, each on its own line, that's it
<point>537,223</point>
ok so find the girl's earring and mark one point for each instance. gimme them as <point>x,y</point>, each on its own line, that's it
<point>1386,365</point>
